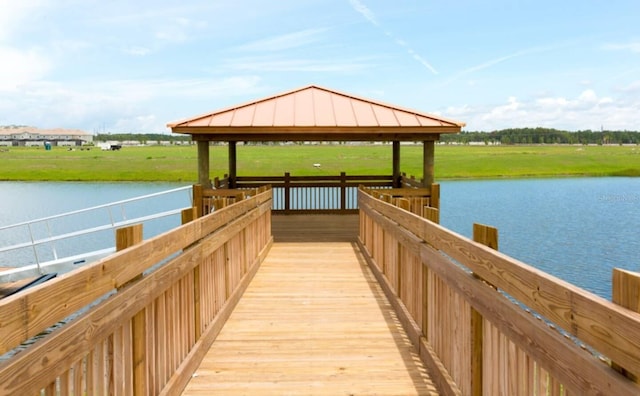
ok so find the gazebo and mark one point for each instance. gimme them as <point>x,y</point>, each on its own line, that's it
<point>312,114</point>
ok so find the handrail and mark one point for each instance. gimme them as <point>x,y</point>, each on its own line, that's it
<point>535,328</point>
<point>167,299</point>
<point>107,205</point>
<point>34,241</point>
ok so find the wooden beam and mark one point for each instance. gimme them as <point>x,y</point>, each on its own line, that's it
<point>203,164</point>
<point>428,155</point>
<point>232,164</point>
<point>396,164</point>
<point>259,134</point>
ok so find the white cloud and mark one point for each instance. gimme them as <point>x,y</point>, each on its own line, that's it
<point>633,47</point>
<point>20,67</point>
<point>364,11</point>
<point>13,14</point>
<point>271,64</point>
<point>125,105</point>
<point>371,17</point>
<point>137,51</point>
<point>285,41</point>
<point>586,111</point>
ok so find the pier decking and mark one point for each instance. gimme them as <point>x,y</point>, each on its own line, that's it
<point>313,321</point>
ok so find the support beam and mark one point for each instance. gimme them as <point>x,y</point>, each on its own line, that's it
<point>203,164</point>
<point>428,155</point>
<point>232,164</point>
<point>396,164</point>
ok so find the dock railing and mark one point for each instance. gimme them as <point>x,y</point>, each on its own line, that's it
<point>139,321</point>
<point>487,324</point>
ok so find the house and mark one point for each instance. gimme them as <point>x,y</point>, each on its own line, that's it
<point>32,136</point>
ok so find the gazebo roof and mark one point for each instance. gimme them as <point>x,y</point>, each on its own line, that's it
<point>314,113</point>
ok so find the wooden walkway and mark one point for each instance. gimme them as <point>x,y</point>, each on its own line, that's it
<point>313,321</point>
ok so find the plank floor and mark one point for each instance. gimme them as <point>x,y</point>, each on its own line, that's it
<point>312,322</point>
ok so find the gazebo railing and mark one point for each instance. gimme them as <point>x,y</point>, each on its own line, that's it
<point>316,194</point>
<point>309,194</point>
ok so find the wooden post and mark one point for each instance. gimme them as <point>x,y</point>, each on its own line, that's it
<point>232,164</point>
<point>203,163</point>
<point>189,214</point>
<point>287,200</point>
<point>487,236</point>
<point>431,214</point>
<point>396,164</point>
<point>626,293</point>
<point>198,200</point>
<point>343,191</point>
<point>434,199</point>
<point>126,237</point>
<point>428,154</point>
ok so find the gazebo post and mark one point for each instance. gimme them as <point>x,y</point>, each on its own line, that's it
<point>203,163</point>
<point>396,164</point>
<point>232,164</point>
<point>428,155</point>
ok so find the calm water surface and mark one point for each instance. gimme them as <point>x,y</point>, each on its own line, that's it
<point>576,229</point>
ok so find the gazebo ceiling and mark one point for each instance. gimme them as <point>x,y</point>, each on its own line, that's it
<point>314,113</point>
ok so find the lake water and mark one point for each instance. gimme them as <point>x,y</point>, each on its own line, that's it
<point>577,229</point>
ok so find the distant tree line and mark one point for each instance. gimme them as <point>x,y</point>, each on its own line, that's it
<point>141,137</point>
<point>544,136</point>
<point>503,136</point>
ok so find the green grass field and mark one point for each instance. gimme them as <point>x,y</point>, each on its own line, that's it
<point>179,163</point>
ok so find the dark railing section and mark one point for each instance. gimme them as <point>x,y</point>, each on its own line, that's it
<point>310,194</point>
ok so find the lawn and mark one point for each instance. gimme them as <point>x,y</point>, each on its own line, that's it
<point>179,163</point>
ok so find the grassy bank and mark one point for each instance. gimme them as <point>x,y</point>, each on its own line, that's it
<point>178,163</point>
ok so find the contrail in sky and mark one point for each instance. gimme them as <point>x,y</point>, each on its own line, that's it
<point>366,12</point>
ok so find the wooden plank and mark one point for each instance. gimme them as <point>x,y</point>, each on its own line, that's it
<point>313,322</point>
<point>575,310</point>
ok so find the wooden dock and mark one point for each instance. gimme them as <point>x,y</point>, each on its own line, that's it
<point>313,321</point>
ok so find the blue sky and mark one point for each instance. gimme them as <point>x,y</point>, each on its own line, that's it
<point>133,66</point>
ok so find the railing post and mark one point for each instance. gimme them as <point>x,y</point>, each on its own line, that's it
<point>487,236</point>
<point>626,293</point>
<point>287,200</point>
<point>127,237</point>
<point>189,214</point>
<point>198,199</point>
<point>435,195</point>
<point>343,191</point>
